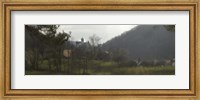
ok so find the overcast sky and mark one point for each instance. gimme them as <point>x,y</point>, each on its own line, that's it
<point>105,32</point>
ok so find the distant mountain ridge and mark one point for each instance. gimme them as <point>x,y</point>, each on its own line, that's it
<point>147,42</point>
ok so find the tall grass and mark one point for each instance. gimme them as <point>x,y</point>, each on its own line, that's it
<point>96,67</point>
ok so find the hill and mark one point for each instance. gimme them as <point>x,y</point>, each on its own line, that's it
<point>147,42</point>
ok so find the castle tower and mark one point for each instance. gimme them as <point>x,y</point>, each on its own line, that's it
<point>82,39</point>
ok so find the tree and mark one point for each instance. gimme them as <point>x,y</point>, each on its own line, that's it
<point>170,27</point>
<point>120,55</point>
<point>94,42</point>
<point>44,43</point>
<point>34,46</point>
<point>59,40</point>
<point>54,42</point>
<point>50,33</point>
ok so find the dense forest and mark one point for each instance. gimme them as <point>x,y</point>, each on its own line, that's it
<point>143,50</point>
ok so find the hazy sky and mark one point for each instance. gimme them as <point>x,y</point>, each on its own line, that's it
<point>105,32</point>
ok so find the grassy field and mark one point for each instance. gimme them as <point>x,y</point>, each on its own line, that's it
<point>105,68</point>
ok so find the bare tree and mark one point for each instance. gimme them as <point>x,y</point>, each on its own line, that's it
<point>94,40</point>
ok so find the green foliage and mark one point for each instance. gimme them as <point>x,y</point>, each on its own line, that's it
<point>119,55</point>
<point>44,43</point>
<point>96,67</point>
<point>170,27</point>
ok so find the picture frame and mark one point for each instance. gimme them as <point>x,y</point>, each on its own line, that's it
<point>99,5</point>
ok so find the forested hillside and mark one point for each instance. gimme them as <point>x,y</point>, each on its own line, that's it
<point>147,42</point>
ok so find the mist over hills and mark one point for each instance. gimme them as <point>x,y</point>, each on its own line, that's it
<point>147,42</point>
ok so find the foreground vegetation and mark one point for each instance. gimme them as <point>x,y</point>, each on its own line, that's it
<point>106,68</point>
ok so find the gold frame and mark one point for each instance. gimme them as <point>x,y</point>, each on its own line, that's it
<point>191,6</point>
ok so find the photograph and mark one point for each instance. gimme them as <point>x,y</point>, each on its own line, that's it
<point>99,49</point>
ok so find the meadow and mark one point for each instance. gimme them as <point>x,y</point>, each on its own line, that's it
<point>104,68</point>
